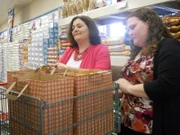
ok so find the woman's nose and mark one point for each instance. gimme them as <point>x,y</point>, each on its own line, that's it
<point>75,29</point>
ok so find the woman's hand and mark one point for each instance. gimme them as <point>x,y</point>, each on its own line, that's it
<point>58,67</point>
<point>124,85</point>
<point>120,94</point>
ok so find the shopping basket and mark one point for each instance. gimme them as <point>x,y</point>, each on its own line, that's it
<point>37,117</point>
<point>4,116</point>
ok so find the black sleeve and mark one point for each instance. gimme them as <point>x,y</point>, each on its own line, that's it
<point>167,83</point>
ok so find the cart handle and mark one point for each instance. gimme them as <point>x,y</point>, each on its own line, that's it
<point>13,97</point>
<point>55,68</point>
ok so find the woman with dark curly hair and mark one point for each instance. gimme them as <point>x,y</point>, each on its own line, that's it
<point>150,87</point>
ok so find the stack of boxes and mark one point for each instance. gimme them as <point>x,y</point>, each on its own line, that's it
<point>53,56</point>
<point>64,43</point>
<point>21,32</point>
<point>46,36</point>
<point>2,68</point>
<point>12,56</point>
<point>52,34</point>
<point>116,46</point>
<point>10,59</point>
<point>24,53</point>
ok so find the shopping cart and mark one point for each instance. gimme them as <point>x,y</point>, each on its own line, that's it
<point>4,119</point>
<point>87,114</point>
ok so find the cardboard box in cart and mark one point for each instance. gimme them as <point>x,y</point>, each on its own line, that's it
<point>27,114</point>
<point>94,113</point>
<point>90,112</point>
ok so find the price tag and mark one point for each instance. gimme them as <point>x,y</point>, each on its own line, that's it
<point>121,4</point>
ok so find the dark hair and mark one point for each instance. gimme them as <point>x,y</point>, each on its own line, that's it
<point>157,29</point>
<point>93,31</point>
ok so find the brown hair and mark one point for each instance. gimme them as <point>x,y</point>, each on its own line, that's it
<point>93,31</point>
<point>157,29</point>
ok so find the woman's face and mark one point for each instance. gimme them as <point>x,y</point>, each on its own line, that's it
<point>138,31</point>
<point>80,31</point>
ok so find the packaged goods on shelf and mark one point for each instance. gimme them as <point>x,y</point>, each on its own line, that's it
<point>53,56</point>
<point>91,4</point>
<point>125,53</point>
<point>24,53</point>
<point>79,6</point>
<point>176,35</point>
<point>42,38</point>
<point>173,25</point>
<point>64,43</point>
<point>10,59</point>
<point>21,32</point>
<point>174,29</point>
<point>115,40</point>
<point>99,3</point>
<point>72,8</point>
<point>116,46</point>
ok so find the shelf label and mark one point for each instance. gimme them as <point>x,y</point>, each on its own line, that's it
<point>121,4</point>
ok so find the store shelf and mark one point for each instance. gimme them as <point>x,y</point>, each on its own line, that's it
<point>119,60</point>
<point>111,11</point>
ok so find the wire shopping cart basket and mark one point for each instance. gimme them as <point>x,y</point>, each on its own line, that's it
<point>87,114</point>
<point>4,119</point>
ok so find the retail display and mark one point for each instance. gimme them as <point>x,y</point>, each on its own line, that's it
<point>116,46</point>
<point>52,55</point>
<point>64,43</point>
<point>21,32</point>
<point>10,59</point>
<point>173,24</point>
<point>44,35</point>
<point>24,53</point>
<point>73,7</point>
<point>39,42</point>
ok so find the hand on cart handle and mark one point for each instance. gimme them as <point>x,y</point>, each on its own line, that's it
<point>59,67</point>
<point>124,85</point>
<point>120,94</point>
<point>44,69</point>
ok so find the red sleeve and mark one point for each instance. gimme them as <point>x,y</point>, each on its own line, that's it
<point>103,58</point>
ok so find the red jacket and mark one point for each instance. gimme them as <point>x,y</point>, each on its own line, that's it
<point>96,57</point>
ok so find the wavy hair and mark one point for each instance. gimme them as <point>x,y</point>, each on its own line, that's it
<point>93,31</point>
<point>157,29</point>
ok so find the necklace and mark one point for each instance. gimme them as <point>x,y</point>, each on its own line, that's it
<point>79,56</point>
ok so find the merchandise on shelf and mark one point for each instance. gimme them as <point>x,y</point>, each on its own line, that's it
<point>116,46</point>
<point>24,53</point>
<point>73,7</point>
<point>10,59</point>
<point>173,24</point>
<point>43,37</point>
<point>53,56</point>
<point>64,43</point>
<point>21,32</point>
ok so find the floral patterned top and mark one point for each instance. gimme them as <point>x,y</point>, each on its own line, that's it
<point>136,111</point>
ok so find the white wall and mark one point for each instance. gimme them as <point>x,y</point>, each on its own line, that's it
<point>36,8</point>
